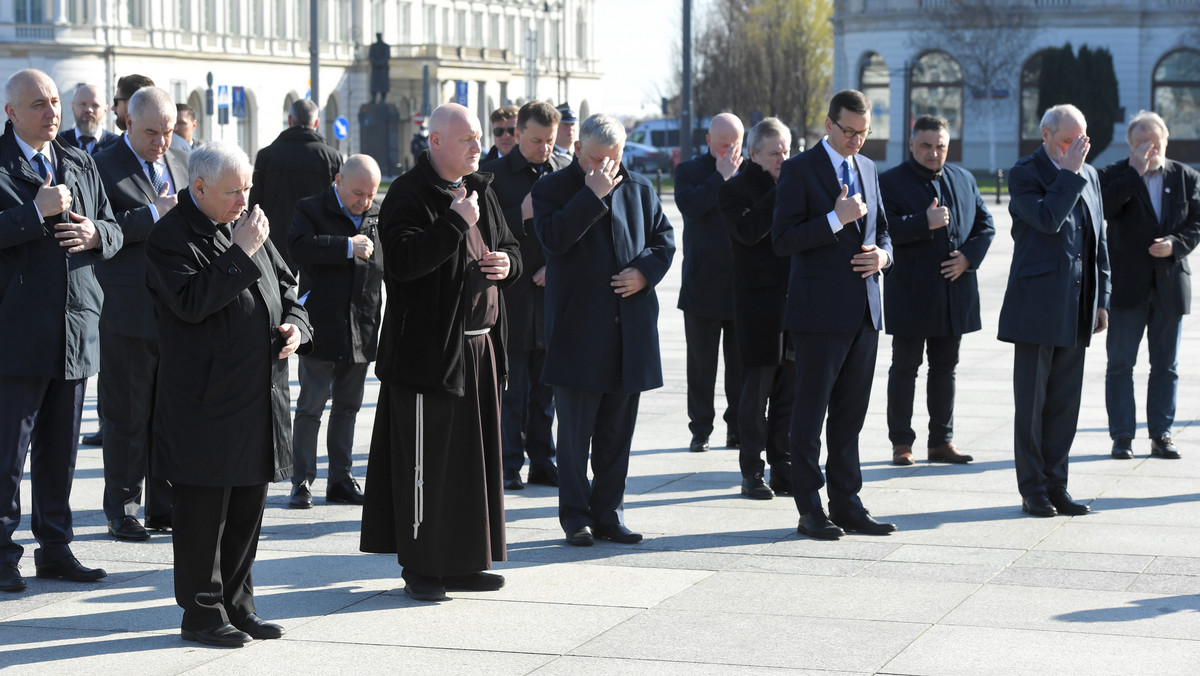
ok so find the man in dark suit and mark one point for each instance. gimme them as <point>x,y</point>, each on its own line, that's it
<point>607,245</point>
<point>528,407</point>
<point>89,110</point>
<point>141,174</point>
<point>706,294</point>
<point>1153,210</point>
<point>504,133</point>
<point>227,315</point>
<point>760,279</point>
<point>334,238</point>
<point>55,224</point>
<point>296,165</point>
<point>941,231</point>
<point>1057,297</point>
<point>829,218</point>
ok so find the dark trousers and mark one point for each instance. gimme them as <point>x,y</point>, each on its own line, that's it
<point>1125,329</point>
<point>939,388</point>
<point>128,373</point>
<point>764,418</point>
<point>528,413</point>
<point>604,422</point>
<point>833,376</point>
<point>319,379</point>
<point>1047,383</point>
<point>39,416</point>
<point>703,337</point>
<point>215,540</point>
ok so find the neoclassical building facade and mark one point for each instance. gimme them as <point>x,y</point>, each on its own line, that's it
<point>885,48</point>
<point>262,47</point>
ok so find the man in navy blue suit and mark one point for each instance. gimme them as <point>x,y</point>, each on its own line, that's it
<point>1057,297</point>
<point>829,218</point>
<point>89,110</point>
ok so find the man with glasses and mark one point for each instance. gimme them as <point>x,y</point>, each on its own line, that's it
<point>89,110</point>
<point>829,218</point>
<point>126,86</point>
<point>504,133</point>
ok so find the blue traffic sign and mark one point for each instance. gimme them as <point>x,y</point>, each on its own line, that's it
<point>341,128</point>
<point>460,92</point>
<point>239,102</point>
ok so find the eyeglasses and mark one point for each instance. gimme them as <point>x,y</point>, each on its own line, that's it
<point>851,133</point>
<point>116,101</point>
<point>501,131</point>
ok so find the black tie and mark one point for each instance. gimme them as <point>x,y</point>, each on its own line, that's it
<point>85,141</point>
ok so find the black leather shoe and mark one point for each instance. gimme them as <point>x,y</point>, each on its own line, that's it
<point>781,481</point>
<point>618,533</point>
<point>222,636</point>
<point>301,497</point>
<point>10,578</point>
<point>259,628</point>
<point>1062,501</point>
<point>817,525</point>
<point>699,443</point>
<point>861,522</point>
<point>731,440</point>
<point>94,439</point>
<point>480,581</point>
<point>161,524</point>
<point>1163,448</point>
<point>1122,448</point>
<point>68,568</point>
<point>756,489</point>
<point>346,491</point>
<point>581,538</point>
<point>1038,505</point>
<point>127,528</point>
<point>423,587</point>
<point>546,476</point>
<point>512,481</point>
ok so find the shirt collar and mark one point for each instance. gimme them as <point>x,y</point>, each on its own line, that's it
<point>158,162</point>
<point>835,157</point>
<point>346,211</point>
<point>29,152</point>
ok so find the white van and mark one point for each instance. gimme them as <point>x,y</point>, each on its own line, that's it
<point>664,134</point>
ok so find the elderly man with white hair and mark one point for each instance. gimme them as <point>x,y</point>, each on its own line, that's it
<point>1153,208</point>
<point>607,245</point>
<point>228,320</point>
<point>434,492</point>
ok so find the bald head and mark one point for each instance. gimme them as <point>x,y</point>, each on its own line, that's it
<point>31,102</point>
<point>357,183</point>
<point>724,132</point>
<point>89,110</point>
<point>454,141</point>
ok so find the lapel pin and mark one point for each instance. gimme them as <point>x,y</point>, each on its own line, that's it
<point>1167,190</point>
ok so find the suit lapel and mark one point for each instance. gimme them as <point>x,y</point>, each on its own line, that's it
<point>133,169</point>
<point>826,172</point>
<point>178,170</point>
<point>1173,194</point>
<point>622,238</point>
<point>866,185</point>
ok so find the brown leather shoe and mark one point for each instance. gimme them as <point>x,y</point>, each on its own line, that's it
<point>902,454</point>
<point>948,453</point>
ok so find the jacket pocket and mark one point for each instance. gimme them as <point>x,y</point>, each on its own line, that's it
<point>1038,268</point>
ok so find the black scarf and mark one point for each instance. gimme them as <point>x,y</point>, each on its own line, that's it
<point>923,171</point>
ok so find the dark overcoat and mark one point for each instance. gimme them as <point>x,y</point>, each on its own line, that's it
<point>707,287</point>
<point>222,408</point>
<point>1041,303</point>
<point>760,276</point>
<point>105,139</point>
<point>1133,227</point>
<point>918,301</point>
<point>50,300</point>
<point>343,293</point>
<point>595,339</point>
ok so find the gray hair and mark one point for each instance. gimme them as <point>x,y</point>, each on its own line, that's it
<point>1145,118</point>
<point>148,100</point>
<point>769,128</point>
<point>1056,115</point>
<point>211,160</point>
<point>304,113</point>
<point>602,129</point>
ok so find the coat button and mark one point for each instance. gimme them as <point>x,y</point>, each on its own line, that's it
<point>617,319</point>
<point>232,270</point>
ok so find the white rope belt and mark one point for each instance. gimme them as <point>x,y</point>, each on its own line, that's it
<point>476,332</point>
<point>419,469</point>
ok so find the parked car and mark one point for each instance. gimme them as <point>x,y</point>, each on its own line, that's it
<point>645,159</point>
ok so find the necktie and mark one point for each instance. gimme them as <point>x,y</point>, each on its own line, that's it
<point>42,169</point>
<point>155,178</point>
<point>847,180</point>
<point>85,141</point>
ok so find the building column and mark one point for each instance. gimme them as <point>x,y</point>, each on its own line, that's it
<point>897,150</point>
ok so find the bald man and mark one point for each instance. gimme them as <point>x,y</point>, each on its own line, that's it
<point>434,495</point>
<point>56,225</point>
<point>89,110</point>
<point>334,239</point>
<point>706,295</point>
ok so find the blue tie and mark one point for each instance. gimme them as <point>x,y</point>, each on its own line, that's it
<point>155,178</point>
<point>847,180</point>
<point>42,169</point>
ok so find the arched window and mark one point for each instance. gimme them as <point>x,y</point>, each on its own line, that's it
<point>1031,117</point>
<point>873,81</point>
<point>937,89</point>
<point>1175,93</point>
<point>330,116</point>
<point>245,126</point>
<point>202,131</point>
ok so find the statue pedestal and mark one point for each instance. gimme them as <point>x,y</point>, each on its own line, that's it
<point>379,135</point>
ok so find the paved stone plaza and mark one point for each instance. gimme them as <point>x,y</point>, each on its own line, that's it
<point>721,585</point>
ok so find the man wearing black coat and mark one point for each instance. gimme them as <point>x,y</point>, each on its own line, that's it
<point>941,231</point>
<point>434,494</point>
<point>706,292</point>
<point>608,245</point>
<point>1153,210</point>
<point>297,164</point>
<point>760,279</point>
<point>528,413</point>
<point>55,224</point>
<point>228,320</point>
<point>142,176</point>
<point>334,238</point>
